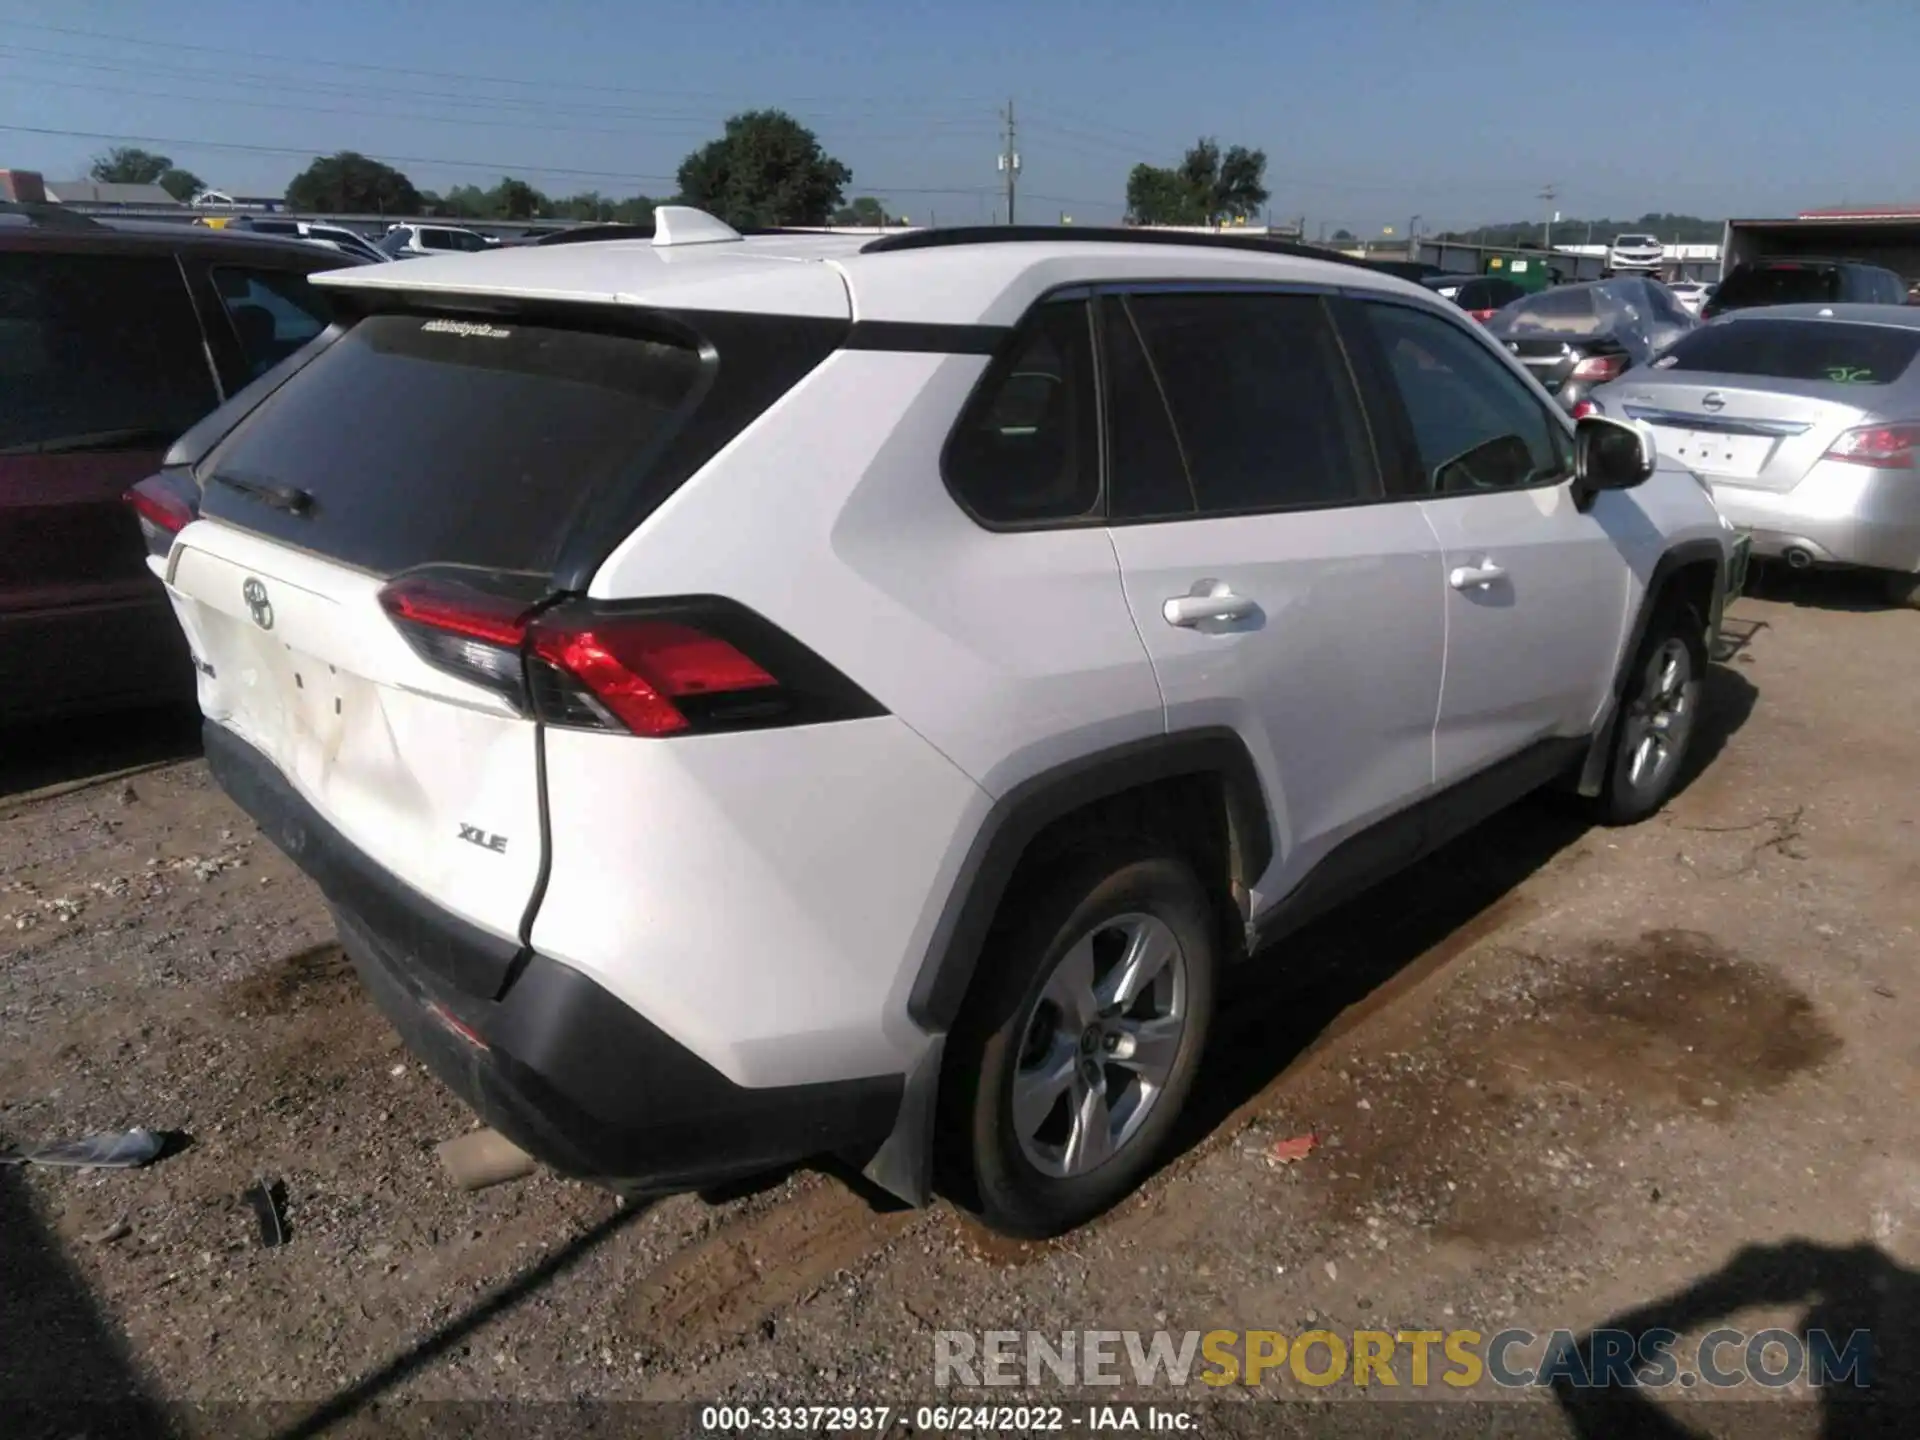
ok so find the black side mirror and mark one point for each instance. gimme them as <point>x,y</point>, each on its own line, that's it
<point>1612,454</point>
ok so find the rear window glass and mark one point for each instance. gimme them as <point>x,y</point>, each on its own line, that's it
<point>1796,350</point>
<point>97,346</point>
<point>1551,312</point>
<point>1778,285</point>
<point>273,312</point>
<point>462,441</point>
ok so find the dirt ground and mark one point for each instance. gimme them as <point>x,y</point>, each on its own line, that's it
<point>1557,1075</point>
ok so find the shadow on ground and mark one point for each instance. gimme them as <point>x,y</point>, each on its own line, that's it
<point>33,757</point>
<point>1848,1292</point>
<point>1276,1006</point>
<point>1849,590</point>
<point>63,1369</point>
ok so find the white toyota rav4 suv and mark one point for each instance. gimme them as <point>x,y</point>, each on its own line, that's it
<point>754,698</point>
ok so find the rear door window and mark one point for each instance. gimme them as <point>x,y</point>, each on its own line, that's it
<point>1026,448</point>
<point>273,312</point>
<point>422,438</point>
<point>1796,350</point>
<point>97,351</point>
<point>1262,400</point>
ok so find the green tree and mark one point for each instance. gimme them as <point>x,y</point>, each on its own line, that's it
<point>516,200</point>
<point>1344,236</point>
<point>1158,196</point>
<point>355,184</point>
<point>865,210</point>
<point>182,185</point>
<point>467,202</point>
<point>635,210</point>
<point>129,165</point>
<point>767,169</point>
<point>1207,187</point>
<point>587,205</point>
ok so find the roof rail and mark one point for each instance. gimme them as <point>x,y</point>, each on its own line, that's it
<point>1101,235</point>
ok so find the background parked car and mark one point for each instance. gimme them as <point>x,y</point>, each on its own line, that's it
<point>1804,282</point>
<point>1631,253</point>
<point>1805,422</point>
<point>1478,295</point>
<point>1578,336</point>
<point>1691,294</point>
<point>410,239</point>
<point>114,340</point>
<point>335,237</point>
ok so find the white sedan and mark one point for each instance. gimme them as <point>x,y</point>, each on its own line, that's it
<point>1691,294</point>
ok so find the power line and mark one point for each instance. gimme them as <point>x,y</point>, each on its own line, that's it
<point>497,166</point>
<point>569,85</point>
<point>280,85</point>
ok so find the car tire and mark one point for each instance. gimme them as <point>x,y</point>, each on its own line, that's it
<point>1903,589</point>
<point>1065,1077</point>
<point>1658,717</point>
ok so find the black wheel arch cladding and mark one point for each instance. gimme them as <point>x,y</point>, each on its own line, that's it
<point>1025,811</point>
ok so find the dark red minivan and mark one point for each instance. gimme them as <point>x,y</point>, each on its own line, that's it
<point>115,338</point>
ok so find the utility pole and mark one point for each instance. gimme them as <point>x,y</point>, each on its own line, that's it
<point>1009,160</point>
<point>1549,194</point>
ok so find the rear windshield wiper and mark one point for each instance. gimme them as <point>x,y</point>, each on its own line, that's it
<point>290,498</point>
<point>129,438</point>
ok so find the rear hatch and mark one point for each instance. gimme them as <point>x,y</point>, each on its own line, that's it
<point>457,452</point>
<point>1552,332</point>
<point>1758,401</point>
<point>1552,362</point>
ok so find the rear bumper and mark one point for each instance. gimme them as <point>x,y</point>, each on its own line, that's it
<point>565,1070</point>
<point>1839,514</point>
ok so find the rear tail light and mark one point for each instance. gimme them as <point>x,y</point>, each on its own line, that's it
<point>1584,408</point>
<point>166,505</point>
<point>1597,368</point>
<point>1482,315</point>
<point>1883,447</point>
<point>655,669</point>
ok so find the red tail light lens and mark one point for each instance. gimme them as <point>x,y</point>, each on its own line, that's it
<point>1884,447</point>
<point>1482,315</point>
<point>165,506</point>
<point>656,669</point>
<point>1597,368</point>
<point>1584,408</point>
<point>641,672</point>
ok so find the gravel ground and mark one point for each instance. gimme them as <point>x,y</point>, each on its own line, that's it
<point>1556,1076</point>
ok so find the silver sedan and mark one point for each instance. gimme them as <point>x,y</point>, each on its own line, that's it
<point>1804,420</point>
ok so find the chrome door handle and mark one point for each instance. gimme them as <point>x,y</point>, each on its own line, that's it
<point>1475,577</point>
<point>1208,600</point>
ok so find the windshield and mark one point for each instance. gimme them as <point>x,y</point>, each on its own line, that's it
<point>1796,350</point>
<point>1635,242</point>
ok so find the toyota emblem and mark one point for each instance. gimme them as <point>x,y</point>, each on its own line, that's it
<point>258,605</point>
<point>1713,400</point>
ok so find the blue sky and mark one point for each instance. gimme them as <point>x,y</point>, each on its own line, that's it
<point>1369,110</point>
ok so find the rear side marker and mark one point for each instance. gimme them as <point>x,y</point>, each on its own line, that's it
<point>658,669</point>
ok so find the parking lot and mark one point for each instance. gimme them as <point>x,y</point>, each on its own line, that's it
<point>1556,1075</point>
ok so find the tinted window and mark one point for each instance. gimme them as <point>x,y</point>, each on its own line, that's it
<point>1796,350</point>
<point>436,239</point>
<point>1779,284</point>
<point>1475,424</point>
<point>94,344</point>
<point>462,441</point>
<point>1026,448</point>
<point>1145,467</point>
<point>274,312</point>
<point>1261,398</point>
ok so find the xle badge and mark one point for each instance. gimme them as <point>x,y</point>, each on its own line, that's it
<point>474,835</point>
<point>258,605</point>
